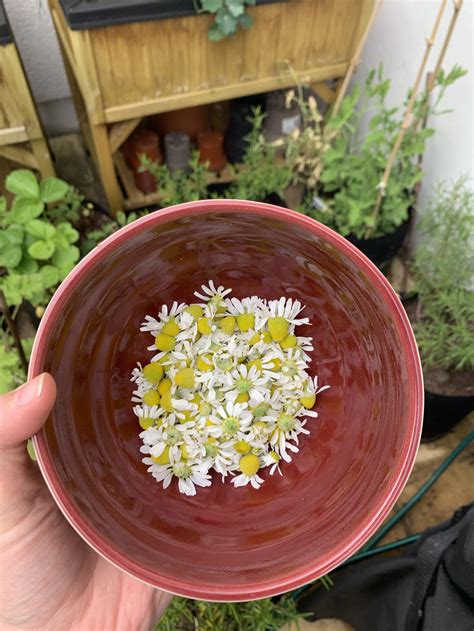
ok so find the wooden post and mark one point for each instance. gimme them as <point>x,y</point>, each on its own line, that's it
<point>407,120</point>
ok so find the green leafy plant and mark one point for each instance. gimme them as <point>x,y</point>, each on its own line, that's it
<point>35,254</point>
<point>68,208</point>
<point>353,166</point>
<point>259,615</point>
<point>260,173</point>
<point>443,272</point>
<point>11,372</point>
<point>229,15</point>
<point>180,186</point>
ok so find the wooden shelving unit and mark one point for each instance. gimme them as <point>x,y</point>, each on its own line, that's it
<point>124,72</point>
<point>136,199</point>
<point>22,141</point>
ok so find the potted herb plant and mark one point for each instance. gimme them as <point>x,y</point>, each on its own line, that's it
<point>180,185</point>
<point>261,177</point>
<point>352,168</point>
<point>444,315</point>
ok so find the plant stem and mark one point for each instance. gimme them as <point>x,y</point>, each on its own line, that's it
<point>407,120</point>
<point>13,330</point>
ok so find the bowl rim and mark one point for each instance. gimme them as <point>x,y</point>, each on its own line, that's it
<point>317,567</point>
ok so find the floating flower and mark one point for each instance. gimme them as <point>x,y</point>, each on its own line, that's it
<point>227,389</point>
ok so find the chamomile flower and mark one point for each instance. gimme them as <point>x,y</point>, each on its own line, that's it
<point>272,460</point>
<point>227,389</point>
<point>245,381</point>
<point>211,293</point>
<point>288,309</point>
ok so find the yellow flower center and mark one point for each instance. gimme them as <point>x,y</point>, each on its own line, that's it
<point>286,423</point>
<point>204,326</point>
<point>289,342</point>
<point>249,465</point>
<point>184,378</point>
<point>242,447</point>
<point>151,398</point>
<point>145,422</point>
<point>230,425</point>
<point>245,322</point>
<point>164,457</point>
<point>308,400</point>
<point>164,342</point>
<point>204,363</point>
<point>227,324</point>
<point>195,310</point>
<point>164,386</point>
<point>171,327</point>
<point>278,328</point>
<point>153,372</point>
<point>166,402</point>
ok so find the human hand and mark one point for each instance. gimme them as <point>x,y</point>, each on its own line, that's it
<point>50,578</point>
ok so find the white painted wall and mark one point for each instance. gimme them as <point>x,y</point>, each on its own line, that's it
<point>396,39</point>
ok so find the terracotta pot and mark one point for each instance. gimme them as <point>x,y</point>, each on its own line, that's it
<point>211,149</point>
<point>177,150</point>
<point>350,470</point>
<point>190,121</point>
<point>143,141</point>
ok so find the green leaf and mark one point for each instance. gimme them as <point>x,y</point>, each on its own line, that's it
<point>67,231</point>
<point>245,20</point>
<point>49,275</point>
<point>10,256</point>
<point>22,182</point>
<point>41,250</point>
<point>25,209</point>
<point>27,265</point>
<point>52,189</point>
<point>63,258</point>
<point>236,7</point>
<point>215,34</point>
<point>121,218</point>
<point>41,229</point>
<point>212,5</point>
<point>226,21</point>
<point>14,234</point>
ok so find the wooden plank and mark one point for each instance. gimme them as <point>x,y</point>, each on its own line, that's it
<point>21,155</point>
<point>40,150</point>
<point>324,91</point>
<point>16,103</point>
<point>13,135</point>
<point>178,101</point>
<point>105,166</point>
<point>120,132</point>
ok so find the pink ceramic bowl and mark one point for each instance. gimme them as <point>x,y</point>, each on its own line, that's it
<point>227,543</point>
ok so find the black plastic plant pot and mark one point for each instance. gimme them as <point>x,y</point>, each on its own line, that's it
<point>87,14</point>
<point>443,412</point>
<point>240,125</point>
<point>276,200</point>
<point>381,250</point>
<point>5,32</point>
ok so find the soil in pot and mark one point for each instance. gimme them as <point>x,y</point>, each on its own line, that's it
<point>449,395</point>
<point>381,250</point>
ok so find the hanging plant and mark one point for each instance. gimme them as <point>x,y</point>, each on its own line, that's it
<point>229,15</point>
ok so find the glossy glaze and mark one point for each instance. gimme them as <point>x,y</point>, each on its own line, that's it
<point>226,543</point>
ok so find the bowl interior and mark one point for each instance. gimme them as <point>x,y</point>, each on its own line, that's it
<point>228,543</point>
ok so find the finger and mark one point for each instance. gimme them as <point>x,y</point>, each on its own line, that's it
<point>22,413</point>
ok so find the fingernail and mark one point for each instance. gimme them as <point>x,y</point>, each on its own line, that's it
<point>29,392</point>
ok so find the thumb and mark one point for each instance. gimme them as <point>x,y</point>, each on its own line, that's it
<point>24,411</point>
